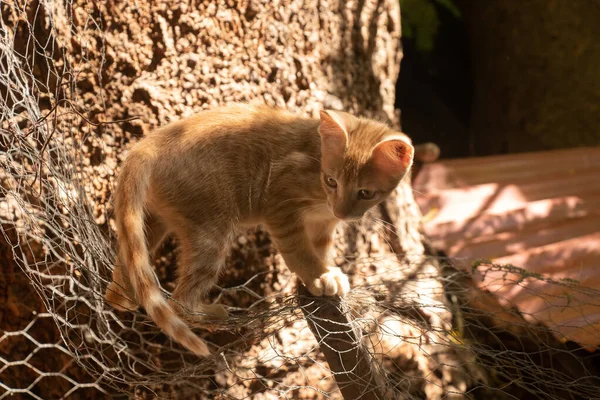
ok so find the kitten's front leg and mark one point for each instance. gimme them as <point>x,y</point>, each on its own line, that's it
<point>297,250</point>
<point>330,283</point>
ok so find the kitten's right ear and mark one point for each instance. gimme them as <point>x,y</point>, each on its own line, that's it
<point>334,134</point>
<point>392,157</point>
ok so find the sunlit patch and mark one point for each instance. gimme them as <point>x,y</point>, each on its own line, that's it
<point>524,210</point>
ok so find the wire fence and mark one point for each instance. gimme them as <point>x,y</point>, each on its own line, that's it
<point>414,325</point>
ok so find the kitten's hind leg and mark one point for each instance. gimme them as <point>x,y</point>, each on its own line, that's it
<point>119,293</point>
<point>203,253</point>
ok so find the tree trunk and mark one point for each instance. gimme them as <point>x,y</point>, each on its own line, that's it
<point>105,73</point>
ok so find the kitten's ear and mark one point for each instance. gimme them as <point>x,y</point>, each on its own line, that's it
<point>334,134</point>
<point>393,157</point>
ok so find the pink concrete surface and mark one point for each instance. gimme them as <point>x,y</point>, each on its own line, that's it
<point>536,211</point>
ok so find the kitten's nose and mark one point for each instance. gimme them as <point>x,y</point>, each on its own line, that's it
<point>338,214</point>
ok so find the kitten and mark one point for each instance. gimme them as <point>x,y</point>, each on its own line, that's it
<point>204,176</point>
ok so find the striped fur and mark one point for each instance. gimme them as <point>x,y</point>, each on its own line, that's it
<point>202,177</point>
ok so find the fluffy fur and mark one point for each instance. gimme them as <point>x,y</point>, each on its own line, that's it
<point>204,176</point>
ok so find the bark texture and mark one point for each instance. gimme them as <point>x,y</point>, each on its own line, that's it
<point>153,62</point>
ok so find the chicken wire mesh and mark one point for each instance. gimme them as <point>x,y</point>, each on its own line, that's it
<point>419,324</point>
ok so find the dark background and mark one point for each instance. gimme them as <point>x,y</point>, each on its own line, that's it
<point>500,76</point>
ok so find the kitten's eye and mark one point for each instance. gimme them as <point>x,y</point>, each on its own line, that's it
<point>364,194</point>
<point>332,183</point>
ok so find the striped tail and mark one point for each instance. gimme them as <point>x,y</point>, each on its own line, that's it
<point>133,252</point>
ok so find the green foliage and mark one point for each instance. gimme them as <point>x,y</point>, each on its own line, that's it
<point>449,5</point>
<point>420,20</point>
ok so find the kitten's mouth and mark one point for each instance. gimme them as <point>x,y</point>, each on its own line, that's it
<point>337,214</point>
<point>343,217</point>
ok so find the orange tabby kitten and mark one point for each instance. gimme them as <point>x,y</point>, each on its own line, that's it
<point>202,177</point>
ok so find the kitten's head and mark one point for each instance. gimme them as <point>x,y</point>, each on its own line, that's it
<point>362,162</point>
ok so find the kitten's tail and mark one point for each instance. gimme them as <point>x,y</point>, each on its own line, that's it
<point>130,199</point>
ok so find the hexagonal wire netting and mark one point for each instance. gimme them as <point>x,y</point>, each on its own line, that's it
<point>71,344</point>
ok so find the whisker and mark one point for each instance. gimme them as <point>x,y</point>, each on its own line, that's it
<point>386,223</point>
<point>304,210</point>
<point>312,158</point>
<point>390,230</point>
<point>345,223</point>
<point>385,236</point>
<point>301,198</point>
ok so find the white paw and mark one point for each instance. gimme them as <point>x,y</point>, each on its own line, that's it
<point>214,312</point>
<point>201,312</point>
<point>207,317</point>
<point>331,283</point>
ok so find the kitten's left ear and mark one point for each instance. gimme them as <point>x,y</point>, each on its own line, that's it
<point>334,132</point>
<point>393,157</point>
<point>334,138</point>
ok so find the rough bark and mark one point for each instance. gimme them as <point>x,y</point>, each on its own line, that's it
<point>157,61</point>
